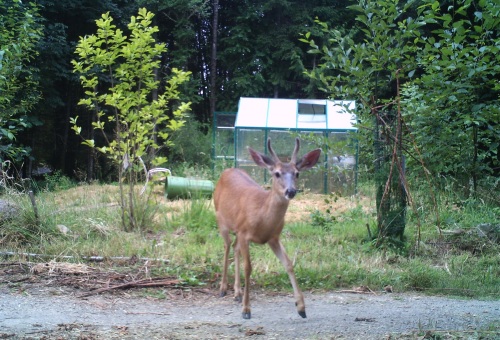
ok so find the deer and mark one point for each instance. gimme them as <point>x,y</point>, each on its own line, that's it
<point>255,215</point>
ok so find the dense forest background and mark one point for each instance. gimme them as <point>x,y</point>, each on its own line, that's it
<point>258,54</point>
<point>271,48</point>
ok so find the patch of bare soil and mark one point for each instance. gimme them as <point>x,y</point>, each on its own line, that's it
<point>68,301</point>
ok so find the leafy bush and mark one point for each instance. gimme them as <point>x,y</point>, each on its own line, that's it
<point>191,144</point>
<point>325,219</point>
<point>55,181</point>
<point>193,171</point>
<point>20,33</point>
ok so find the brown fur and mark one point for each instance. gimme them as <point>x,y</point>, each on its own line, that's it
<point>256,215</point>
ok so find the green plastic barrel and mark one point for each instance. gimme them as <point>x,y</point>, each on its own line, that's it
<point>180,187</point>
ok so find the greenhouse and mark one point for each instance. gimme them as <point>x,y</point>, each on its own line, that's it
<point>317,122</point>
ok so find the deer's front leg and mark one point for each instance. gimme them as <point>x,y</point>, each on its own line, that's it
<point>280,253</point>
<point>244,247</point>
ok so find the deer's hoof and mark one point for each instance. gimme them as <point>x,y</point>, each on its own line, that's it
<point>246,315</point>
<point>222,294</point>
<point>302,314</point>
<point>237,298</point>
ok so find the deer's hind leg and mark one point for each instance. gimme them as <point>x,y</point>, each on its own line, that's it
<point>227,247</point>
<point>237,278</point>
<point>244,248</point>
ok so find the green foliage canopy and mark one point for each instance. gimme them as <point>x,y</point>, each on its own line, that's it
<point>445,55</point>
<point>452,107</point>
<point>20,31</point>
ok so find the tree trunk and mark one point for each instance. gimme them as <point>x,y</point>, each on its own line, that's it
<point>152,149</point>
<point>65,135</point>
<point>91,152</point>
<point>213,63</point>
<point>391,197</point>
<point>474,160</point>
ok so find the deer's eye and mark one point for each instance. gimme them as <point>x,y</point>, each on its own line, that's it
<point>277,175</point>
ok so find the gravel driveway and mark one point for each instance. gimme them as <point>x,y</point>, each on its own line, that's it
<point>53,313</point>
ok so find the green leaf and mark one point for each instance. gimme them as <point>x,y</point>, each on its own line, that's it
<point>7,134</point>
<point>89,143</point>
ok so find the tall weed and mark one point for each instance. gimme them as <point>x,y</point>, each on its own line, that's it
<point>27,226</point>
<point>197,214</point>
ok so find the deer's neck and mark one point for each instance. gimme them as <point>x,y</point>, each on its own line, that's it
<point>276,204</point>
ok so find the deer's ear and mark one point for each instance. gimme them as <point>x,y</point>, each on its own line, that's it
<point>260,159</point>
<point>308,160</point>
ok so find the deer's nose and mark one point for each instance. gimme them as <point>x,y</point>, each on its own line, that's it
<point>290,193</point>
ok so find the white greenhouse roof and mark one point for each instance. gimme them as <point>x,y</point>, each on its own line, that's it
<point>310,114</point>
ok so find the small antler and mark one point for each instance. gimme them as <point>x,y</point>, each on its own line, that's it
<point>295,151</point>
<point>271,151</point>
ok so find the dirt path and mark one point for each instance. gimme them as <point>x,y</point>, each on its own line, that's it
<point>53,313</point>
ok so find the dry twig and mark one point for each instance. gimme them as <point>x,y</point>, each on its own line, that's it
<point>159,282</point>
<point>358,290</point>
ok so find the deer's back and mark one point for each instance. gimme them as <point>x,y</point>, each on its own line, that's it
<point>234,185</point>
